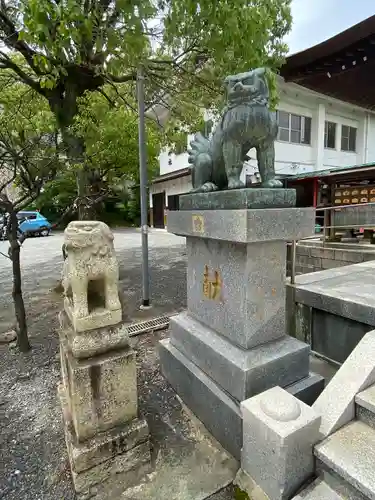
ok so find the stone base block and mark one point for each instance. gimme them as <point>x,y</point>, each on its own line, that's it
<point>219,412</point>
<point>99,318</point>
<point>121,452</point>
<point>242,373</point>
<point>103,446</point>
<point>248,487</point>
<point>216,409</point>
<point>127,462</point>
<point>101,392</point>
<point>307,389</point>
<point>116,485</point>
<point>94,342</point>
<point>279,433</point>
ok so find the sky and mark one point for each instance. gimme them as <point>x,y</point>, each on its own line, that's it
<point>316,20</point>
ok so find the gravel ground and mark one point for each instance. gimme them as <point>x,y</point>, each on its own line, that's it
<point>33,460</point>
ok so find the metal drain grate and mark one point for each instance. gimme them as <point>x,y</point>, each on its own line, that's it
<point>147,326</point>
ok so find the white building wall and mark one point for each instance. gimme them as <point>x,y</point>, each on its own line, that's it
<point>336,157</point>
<point>169,162</point>
<point>298,158</point>
<point>174,186</point>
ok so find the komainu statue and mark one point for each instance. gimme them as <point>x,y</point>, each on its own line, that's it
<point>246,123</point>
<point>90,276</point>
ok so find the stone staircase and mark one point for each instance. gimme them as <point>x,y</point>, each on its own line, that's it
<point>345,461</point>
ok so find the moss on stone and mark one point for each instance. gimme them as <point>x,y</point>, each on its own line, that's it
<point>240,494</point>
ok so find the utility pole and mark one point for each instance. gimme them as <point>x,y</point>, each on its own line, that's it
<point>143,186</point>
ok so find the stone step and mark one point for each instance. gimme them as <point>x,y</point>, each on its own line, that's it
<point>318,490</point>
<point>365,406</point>
<point>349,454</point>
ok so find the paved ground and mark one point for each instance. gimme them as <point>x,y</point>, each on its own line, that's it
<point>40,250</point>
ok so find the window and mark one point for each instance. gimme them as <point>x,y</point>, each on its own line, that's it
<point>330,135</point>
<point>294,128</point>
<point>348,138</point>
<point>26,215</point>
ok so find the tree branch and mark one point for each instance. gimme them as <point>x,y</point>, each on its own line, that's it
<point>122,79</point>
<point>112,103</point>
<point>7,63</point>
<point>115,88</point>
<point>12,39</point>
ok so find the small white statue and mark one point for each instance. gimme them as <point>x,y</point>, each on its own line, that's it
<point>90,276</point>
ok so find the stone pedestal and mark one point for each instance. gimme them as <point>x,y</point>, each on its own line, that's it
<point>105,438</point>
<point>107,443</point>
<point>231,342</point>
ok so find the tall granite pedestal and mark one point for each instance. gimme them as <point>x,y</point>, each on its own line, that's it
<point>231,342</point>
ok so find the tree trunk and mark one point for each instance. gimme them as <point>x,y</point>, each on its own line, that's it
<point>64,105</point>
<point>19,306</point>
<point>75,153</point>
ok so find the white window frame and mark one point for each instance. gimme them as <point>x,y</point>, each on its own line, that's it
<point>326,135</point>
<point>349,127</point>
<point>290,130</point>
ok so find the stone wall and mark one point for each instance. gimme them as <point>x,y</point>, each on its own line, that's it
<point>333,309</point>
<point>315,257</point>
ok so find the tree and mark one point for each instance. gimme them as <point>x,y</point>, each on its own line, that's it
<point>110,134</point>
<point>27,160</point>
<point>109,130</point>
<point>70,47</point>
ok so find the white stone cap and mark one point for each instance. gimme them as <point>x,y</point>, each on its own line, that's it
<point>279,410</point>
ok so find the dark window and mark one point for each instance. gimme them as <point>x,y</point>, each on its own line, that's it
<point>330,135</point>
<point>348,138</point>
<point>294,128</point>
<point>173,202</point>
<point>26,215</point>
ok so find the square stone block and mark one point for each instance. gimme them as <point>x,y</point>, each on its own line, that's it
<point>219,413</point>
<point>279,433</point>
<point>129,461</point>
<point>117,484</point>
<point>93,342</point>
<point>307,389</point>
<point>242,373</point>
<point>238,290</point>
<point>103,446</point>
<point>99,318</point>
<point>244,226</point>
<point>101,391</point>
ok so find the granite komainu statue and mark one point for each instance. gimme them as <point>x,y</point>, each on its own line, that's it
<point>245,123</point>
<point>90,275</point>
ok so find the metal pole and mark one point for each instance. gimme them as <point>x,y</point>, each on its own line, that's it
<point>293,263</point>
<point>325,226</point>
<point>143,186</point>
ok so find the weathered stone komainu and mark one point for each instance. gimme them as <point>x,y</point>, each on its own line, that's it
<point>246,123</point>
<point>90,276</point>
<point>108,443</point>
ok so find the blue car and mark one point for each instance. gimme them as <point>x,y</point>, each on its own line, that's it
<point>33,224</point>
